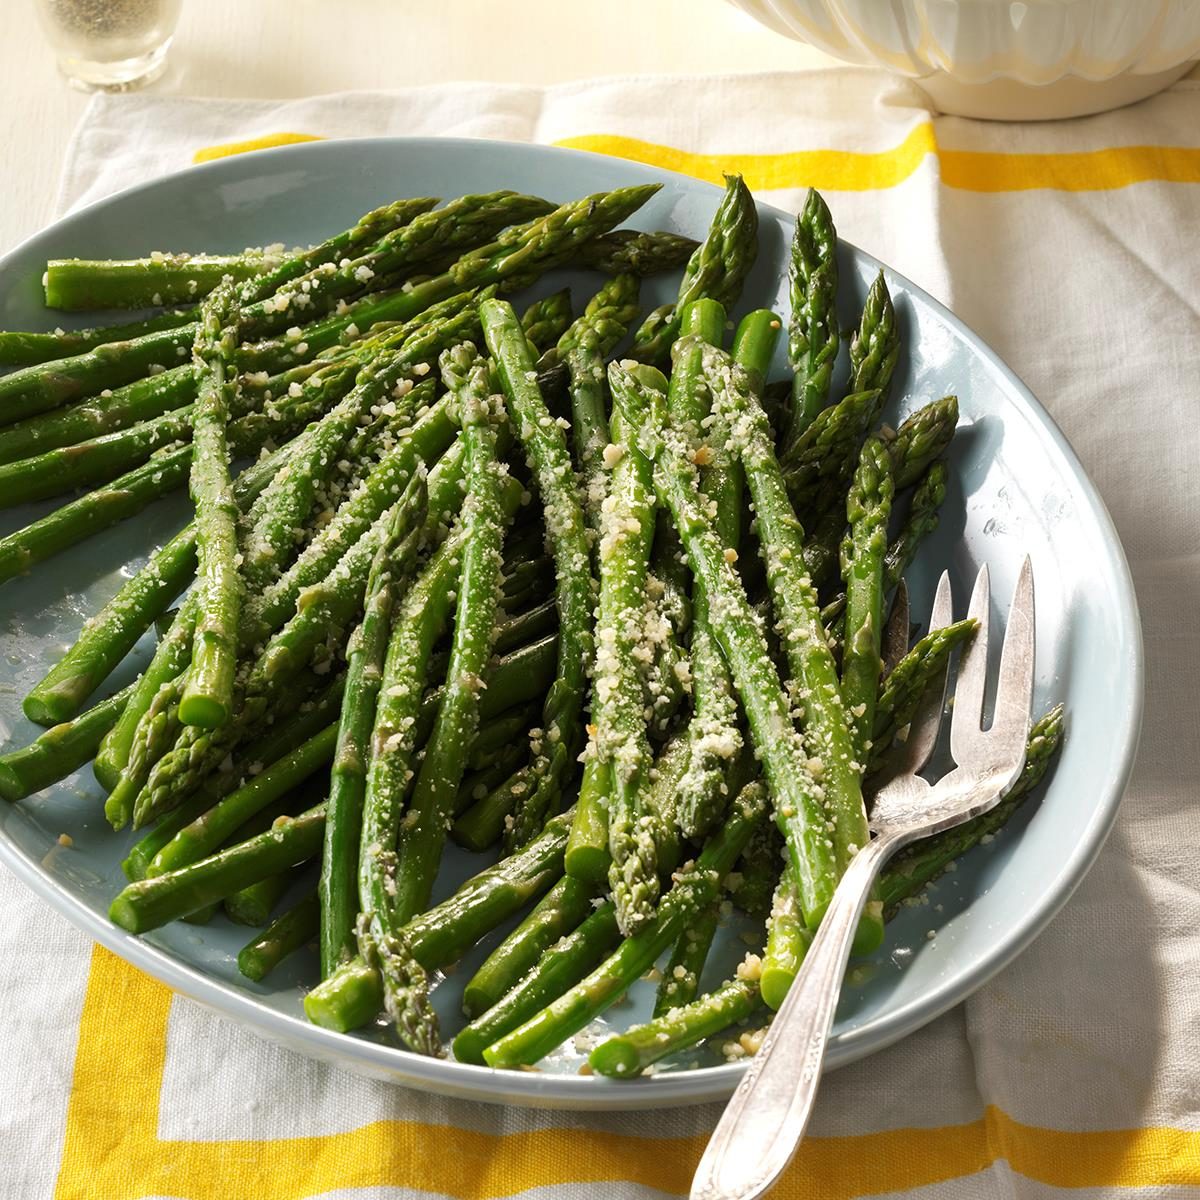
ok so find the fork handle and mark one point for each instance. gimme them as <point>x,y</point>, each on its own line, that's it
<point>765,1119</point>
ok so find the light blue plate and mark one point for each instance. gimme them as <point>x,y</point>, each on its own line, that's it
<point>1016,488</point>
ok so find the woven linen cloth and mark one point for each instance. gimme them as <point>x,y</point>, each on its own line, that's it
<point>1069,248</point>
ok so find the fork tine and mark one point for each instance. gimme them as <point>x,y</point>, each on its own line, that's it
<point>1014,689</point>
<point>969,689</point>
<point>923,731</point>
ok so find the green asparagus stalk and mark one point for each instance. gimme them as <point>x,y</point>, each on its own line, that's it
<point>788,939</point>
<point>908,682</point>
<point>547,319</point>
<point>483,520</point>
<point>754,345</point>
<point>76,284</point>
<point>876,344</point>
<point>352,996</point>
<point>584,347</point>
<point>559,968</point>
<point>208,695</point>
<point>631,1052</point>
<point>59,751</point>
<point>827,734</point>
<point>348,778</point>
<point>546,448</point>
<point>151,281</point>
<point>151,903</point>
<point>681,978</point>
<point>625,251</point>
<point>28,349</point>
<point>922,438</point>
<point>813,336</point>
<point>921,521</point>
<point>605,985</point>
<point>714,736</point>
<point>620,743</point>
<point>285,935</point>
<point>822,459</point>
<point>716,270</point>
<point>868,510</point>
<point>560,911</point>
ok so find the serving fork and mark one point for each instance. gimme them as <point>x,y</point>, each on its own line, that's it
<point>765,1119</point>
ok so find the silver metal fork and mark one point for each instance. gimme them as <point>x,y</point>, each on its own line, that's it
<point>765,1120</point>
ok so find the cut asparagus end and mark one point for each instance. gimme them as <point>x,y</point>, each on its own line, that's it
<point>617,1058</point>
<point>348,999</point>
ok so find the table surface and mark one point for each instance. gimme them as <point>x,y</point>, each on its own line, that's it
<point>281,48</point>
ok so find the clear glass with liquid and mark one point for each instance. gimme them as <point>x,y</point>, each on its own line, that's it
<point>110,45</point>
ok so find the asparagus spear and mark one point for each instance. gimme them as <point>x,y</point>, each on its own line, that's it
<point>630,1053</point>
<point>813,336</point>
<point>788,939</point>
<point>754,345</point>
<point>907,682</point>
<point>876,344</point>
<point>560,911</point>
<point>483,521</point>
<point>921,521</point>
<point>547,319</point>
<point>822,459</point>
<point>827,734</point>
<point>285,935</point>
<point>628,251</point>
<point>736,626</point>
<point>921,439</point>
<point>262,278</point>
<point>681,978</point>
<point>151,903</point>
<point>549,458</point>
<point>713,732</point>
<point>693,889</point>
<point>60,750</point>
<point>584,347</point>
<point>385,908</point>
<point>716,270</point>
<point>621,744</point>
<point>348,778</point>
<point>352,995</point>
<point>140,401</point>
<point>27,349</point>
<point>208,695</point>
<point>289,732</point>
<point>560,967</point>
<point>868,509</point>
<point>78,284</point>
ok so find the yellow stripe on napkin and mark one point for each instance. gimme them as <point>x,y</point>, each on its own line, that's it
<point>267,142</point>
<point>968,170</point>
<point>112,1150</point>
<point>856,171</point>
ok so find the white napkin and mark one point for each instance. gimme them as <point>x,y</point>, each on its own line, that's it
<point>1068,247</point>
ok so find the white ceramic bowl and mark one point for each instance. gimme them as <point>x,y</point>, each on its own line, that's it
<point>1005,59</point>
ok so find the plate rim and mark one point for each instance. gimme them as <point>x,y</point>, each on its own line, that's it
<point>693,1086</point>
